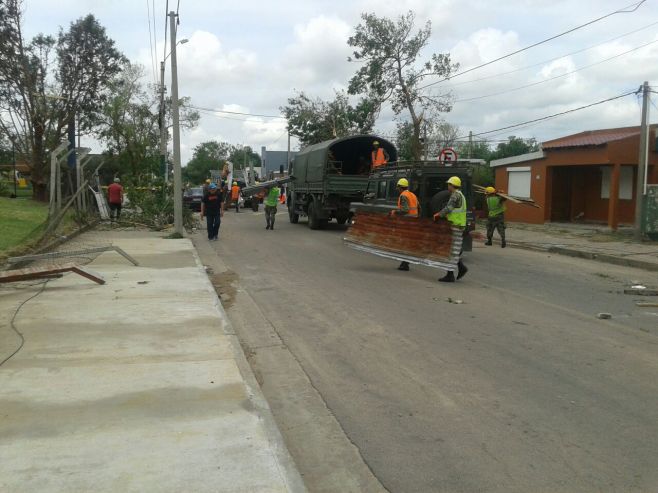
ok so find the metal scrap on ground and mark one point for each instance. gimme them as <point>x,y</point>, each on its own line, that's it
<point>31,273</point>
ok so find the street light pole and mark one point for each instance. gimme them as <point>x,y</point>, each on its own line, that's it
<point>642,163</point>
<point>178,182</point>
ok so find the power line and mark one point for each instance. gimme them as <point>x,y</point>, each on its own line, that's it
<point>624,10</point>
<point>166,25</point>
<point>236,112</point>
<point>476,98</point>
<point>552,116</point>
<point>148,17</point>
<point>500,74</point>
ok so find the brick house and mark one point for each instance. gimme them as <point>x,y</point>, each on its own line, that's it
<point>589,176</point>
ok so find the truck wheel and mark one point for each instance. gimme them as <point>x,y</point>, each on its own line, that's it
<point>294,218</point>
<point>313,220</point>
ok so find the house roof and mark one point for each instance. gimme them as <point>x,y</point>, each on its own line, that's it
<point>592,138</point>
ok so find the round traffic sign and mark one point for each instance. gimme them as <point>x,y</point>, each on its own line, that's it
<point>448,154</point>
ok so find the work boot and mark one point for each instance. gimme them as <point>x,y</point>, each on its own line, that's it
<point>503,244</point>
<point>488,242</point>
<point>462,270</point>
<point>404,266</point>
<point>449,277</point>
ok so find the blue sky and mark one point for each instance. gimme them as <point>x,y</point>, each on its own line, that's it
<point>249,56</point>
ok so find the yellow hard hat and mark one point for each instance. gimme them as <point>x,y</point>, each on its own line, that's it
<point>490,190</point>
<point>375,142</point>
<point>235,183</point>
<point>403,182</point>
<point>455,181</point>
<point>208,180</point>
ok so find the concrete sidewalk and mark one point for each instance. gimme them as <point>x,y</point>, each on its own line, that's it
<point>583,241</point>
<point>135,385</point>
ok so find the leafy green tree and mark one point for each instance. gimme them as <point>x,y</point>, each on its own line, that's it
<point>515,146</point>
<point>315,120</point>
<point>242,157</point>
<point>128,125</point>
<point>207,156</point>
<point>390,71</point>
<point>47,82</point>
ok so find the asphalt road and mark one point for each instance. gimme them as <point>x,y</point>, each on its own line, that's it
<point>518,388</point>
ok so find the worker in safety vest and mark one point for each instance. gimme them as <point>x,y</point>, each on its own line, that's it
<point>379,156</point>
<point>271,200</point>
<point>496,216</point>
<point>455,213</point>
<point>407,206</point>
<point>235,195</point>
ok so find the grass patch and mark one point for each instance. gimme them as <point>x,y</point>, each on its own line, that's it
<point>22,222</point>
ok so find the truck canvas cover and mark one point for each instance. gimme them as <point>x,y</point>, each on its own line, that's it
<point>350,156</point>
<point>414,240</point>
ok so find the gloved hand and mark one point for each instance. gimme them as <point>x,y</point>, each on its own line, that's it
<point>436,217</point>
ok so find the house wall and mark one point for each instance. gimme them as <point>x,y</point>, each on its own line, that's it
<point>582,167</point>
<point>538,187</point>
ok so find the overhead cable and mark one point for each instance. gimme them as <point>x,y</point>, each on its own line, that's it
<point>476,98</point>
<point>624,10</point>
<point>573,110</point>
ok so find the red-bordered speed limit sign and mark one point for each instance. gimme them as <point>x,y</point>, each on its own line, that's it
<point>448,154</point>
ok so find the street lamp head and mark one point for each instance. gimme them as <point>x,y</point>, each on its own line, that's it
<point>183,41</point>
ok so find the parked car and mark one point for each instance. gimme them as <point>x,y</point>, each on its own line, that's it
<point>193,197</point>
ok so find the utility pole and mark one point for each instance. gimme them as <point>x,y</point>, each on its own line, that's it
<point>163,126</point>
<point>470,143</point>
<point>640,186</point>
<point>178,182</point>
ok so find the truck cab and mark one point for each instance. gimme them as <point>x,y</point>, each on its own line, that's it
<point>426,178</point>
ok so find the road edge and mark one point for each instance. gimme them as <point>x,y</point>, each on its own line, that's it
<point>288,468</point>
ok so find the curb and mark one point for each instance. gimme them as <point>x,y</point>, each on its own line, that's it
<point>599,257</point>
<point>288,468</point>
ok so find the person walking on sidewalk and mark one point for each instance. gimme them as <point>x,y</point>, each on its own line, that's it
<point>212,207</point>
<point>407,206</point>
<point>496,216</point>
<point>271,201</point>
<point>235,195</point>
<point>115,199</point>
<point>455,213</point>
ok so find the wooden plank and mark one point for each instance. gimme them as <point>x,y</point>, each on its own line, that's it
<point>31,273</point>
<point>511,198</point>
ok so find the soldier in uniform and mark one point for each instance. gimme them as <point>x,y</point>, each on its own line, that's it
<point>496,216</point>
<point>455,212</point>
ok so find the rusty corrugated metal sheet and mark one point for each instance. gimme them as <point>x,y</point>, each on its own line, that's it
<point>417,241</point>
<point>592,138</point>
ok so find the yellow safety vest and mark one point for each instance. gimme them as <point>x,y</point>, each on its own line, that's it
<point>458,216</point>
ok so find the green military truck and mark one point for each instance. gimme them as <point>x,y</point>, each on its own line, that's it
<point>329,176</point>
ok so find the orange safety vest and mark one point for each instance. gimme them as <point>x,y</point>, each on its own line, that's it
<point>413,203</point>
<point>378,158</point>
<point>235,192</point>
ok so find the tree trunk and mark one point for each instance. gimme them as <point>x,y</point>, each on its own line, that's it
<point>39,183</point>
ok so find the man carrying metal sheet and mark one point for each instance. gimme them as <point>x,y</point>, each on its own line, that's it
<point>455,213</point>
<point>407,206</point>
